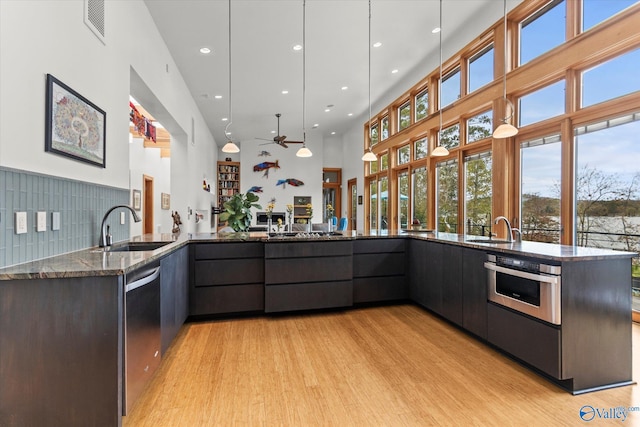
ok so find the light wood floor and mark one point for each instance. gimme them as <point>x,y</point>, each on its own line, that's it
<point>382,366</point>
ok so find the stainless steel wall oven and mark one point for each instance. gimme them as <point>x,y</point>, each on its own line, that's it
<point>525,286</point>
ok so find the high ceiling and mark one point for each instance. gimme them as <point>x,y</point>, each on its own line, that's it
<point>264,63</point>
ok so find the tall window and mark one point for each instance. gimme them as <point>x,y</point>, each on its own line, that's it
<point>480,69</point>
<point>403,199</point>
<point>422,105</point>
<point>385,128</point>
<point>542,31</point>
<point>419,213</point>
<point>479,127</point>
<point>607,189</point>
<point>404,115</point>
<point>477,189</point>
<point>373,204</point>
<point>450,88</point>
<point>384,203</point>
<point>611,79</point>
<point>540,189</point>
<point>542,104</point>
<point>447,199</point>
<point>596,11</point>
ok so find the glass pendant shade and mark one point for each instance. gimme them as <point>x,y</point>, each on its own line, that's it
<point>230,147</point>
<point>304,152</point>
<point>505,130</point>
<point>369,156</point>
<point>440,151</point>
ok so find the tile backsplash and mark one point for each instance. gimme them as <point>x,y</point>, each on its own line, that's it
<point>81,206</point>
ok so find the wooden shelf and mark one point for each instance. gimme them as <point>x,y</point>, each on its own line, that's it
<point>228,181</point>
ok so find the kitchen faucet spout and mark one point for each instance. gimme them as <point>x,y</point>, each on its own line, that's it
<point>104,242</point>
<point>509,229</point>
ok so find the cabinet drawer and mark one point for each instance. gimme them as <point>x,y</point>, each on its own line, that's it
<point>226,299</point>
<point>308,296</point>
<point>376,289</point>
<point>382,264</point>
<point>229,272</point>
<point>228,250</point>
<point>378,246</point>
<point>301,270</point>
<point>307,249</point>
<point>530,340</point>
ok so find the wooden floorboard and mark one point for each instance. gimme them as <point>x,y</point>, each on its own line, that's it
<point>378,366</point>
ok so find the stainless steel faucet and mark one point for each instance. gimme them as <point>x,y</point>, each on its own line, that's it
<point>509,229</point>
<point>104,242</point>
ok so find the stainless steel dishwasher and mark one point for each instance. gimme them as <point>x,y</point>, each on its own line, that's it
<point>142,339</point>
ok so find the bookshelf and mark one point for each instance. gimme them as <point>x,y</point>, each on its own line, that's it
<point>300,207</point>
<point>228,181</point>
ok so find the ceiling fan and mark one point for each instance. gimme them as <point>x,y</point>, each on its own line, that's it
<point>280,139</point>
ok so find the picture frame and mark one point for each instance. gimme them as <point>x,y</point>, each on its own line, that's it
<point>165,201</point>
<point>359,200</point>
<point>137,200</point>
<point>74,126</point>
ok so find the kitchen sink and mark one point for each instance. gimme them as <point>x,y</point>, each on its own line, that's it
<point>135,247</point>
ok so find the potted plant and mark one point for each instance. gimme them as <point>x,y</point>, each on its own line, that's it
<point>237,211</point>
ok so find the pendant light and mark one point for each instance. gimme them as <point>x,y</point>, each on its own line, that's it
<point>304,151</point>
<point>506,129</point>
<point>229,147</point>
<point>369,156</point>
<point>440,151</point>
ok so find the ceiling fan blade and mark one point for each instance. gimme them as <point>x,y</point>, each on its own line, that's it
<point>264,139</point>
<point>267,143</point>
<point>280,138</point>
<point>295,142</point>
<point>283,144</point>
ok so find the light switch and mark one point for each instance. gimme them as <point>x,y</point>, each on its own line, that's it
<point>41,221</point>
<point>122,217</point>
<point>21,222</point>
<point>55,221</point>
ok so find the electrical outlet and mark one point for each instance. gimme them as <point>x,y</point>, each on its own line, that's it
<point>41,221</point>
<point>122,218</point>
<point>21,222</point>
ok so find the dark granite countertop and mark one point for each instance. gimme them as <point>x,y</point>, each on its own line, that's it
<point>99,262</point>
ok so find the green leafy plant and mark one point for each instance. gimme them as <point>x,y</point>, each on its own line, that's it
<point>237,211</point>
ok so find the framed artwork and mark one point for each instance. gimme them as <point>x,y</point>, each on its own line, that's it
<point>137,200</point>
<point>74,126</point>
<point>165,200</point>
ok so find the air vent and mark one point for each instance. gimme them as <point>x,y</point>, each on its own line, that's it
<point>94,17</point>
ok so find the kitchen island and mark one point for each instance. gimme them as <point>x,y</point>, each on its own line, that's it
<point>71,369</point>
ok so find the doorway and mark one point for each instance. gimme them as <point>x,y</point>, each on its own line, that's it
<point>352,185</point>
<point>147,204</point>
<point>331,192</point>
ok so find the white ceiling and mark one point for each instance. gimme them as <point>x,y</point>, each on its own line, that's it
<point>263,33</point>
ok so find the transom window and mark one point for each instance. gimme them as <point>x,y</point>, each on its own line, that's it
<point>542,104</point>
<point>614,78</point>
<point>450,137</point>
<point>404,154</point>
<point>404,116</point>
<point>450,88</point>
<point>480,69</point>
<point>385,128</point>
<point>422,105</point>
<point>374,134</point>
<point>542,31</point>
<point>421,149</point>
<point>479,127</point>
<point>596,11</point>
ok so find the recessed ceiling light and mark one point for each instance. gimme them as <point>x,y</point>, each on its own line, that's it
<point>284,92</point>
<point>224,119</point>
<point>436,30</point>
<point>344,87</point>
<point>394,71</point>
<point>228,133</point>
<point>315,125</point>
<point>377,44</point>
<point>273,131</point>
<point>297,47</point>
<point>350,114</point>
<point>205,50</point>
<point>326,110</point>
<point>218,97</point>
<point>333,133</point>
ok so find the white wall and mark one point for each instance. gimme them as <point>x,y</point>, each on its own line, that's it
<point>308,170</point>
<point>40,37</point>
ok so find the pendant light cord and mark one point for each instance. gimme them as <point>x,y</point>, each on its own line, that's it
<point>370,130</point>
<point>504,62</point>
<point>230,104</point>
<point>304,73</point>
<point>440,91</point>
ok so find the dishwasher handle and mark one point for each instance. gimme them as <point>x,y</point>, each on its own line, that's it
<point>155,273</point>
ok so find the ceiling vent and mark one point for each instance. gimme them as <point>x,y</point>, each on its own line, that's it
<point>94,17</point>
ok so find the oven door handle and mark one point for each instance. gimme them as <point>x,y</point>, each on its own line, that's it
<point>523,274</point>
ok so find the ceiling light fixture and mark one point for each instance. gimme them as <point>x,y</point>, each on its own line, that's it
<point>436,30</point>
<point>394,71</point>
<point>344,87</point>
<point>229,147</point>
<point>218,96</point>
<point>440,150</point>
<point>284,92</point>
<point>297,47</point>
<point>205,50</point>
<point>506,129</point>
<point>369,156</point>
<point>304,151</point>
<point>376,44</point>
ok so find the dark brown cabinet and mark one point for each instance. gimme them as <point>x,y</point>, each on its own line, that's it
<point>174,294</point>
<point>226,277</point>
<point>474,292</point>
<point>305,275</point>
<point>379,267</point>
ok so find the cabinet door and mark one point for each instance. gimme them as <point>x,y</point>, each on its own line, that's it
<point>174,294</point>
<point>474,292</point>
<point>434,269</point>
<point>418,271</point>
<point>452,283</point>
